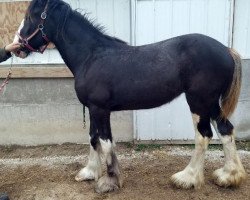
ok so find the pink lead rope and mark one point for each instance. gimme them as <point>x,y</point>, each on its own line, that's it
<point>6,81</point>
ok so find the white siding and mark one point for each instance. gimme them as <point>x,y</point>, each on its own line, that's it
<point>162,19</point>
<point>114,15</point>
<point>241,39</point>
<point>169,122</point>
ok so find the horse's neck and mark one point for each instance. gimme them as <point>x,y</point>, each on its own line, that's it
<point>74,53</point>
<point>78,43</point>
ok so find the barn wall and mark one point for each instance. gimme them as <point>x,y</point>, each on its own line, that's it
<point>47,111</point>
<point>166,19</point>
<point>170,18</point>
<point>241,39</point>
<point>113,14</point>
<point>241,117</point>
<point>11,14</point>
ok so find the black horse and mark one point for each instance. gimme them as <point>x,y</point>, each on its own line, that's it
<point>111,76</point>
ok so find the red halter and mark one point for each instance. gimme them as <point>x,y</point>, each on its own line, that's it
<point>40,27</point>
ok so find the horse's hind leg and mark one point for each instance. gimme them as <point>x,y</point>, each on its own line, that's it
<point>192,175</point>
<point>112,180</point>
<point>233,173</point>
<point>93,170</point>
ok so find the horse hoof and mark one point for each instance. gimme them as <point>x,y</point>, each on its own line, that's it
<point>186,179</point>
<point>87,174</point>
<point>107,184</point>
<point>227,178</point>
<point>4,197</point>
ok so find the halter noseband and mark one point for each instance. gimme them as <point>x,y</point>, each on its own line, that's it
<point>40,27</point>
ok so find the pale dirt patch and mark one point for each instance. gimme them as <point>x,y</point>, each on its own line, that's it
<point>47,173</point>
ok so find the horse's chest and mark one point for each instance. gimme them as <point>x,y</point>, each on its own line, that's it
<point>81,91</point>
<point>92,92</point>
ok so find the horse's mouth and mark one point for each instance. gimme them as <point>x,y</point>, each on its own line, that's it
<point>22,53</point>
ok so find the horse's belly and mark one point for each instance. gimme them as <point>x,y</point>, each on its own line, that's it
<point>146,98</point>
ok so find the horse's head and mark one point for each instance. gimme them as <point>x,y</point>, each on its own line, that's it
<point>33,35</point>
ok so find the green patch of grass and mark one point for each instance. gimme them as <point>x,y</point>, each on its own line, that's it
<point>214,147</point>
<point>45,148</point>
<point>243,145</point>
<point>144,147</point>
<point>8,149</point>
<point>210,146</point>
<point>128,145</point>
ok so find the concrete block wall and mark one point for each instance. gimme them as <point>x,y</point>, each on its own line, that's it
<point>47,111</point>
<point>241,117</point>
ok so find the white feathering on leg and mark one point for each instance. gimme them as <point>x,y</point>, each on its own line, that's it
<point>93,170</point>
<point>233,173</point>
<point>192,175</point>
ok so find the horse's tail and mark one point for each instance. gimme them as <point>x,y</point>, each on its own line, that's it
<point>230,98</point>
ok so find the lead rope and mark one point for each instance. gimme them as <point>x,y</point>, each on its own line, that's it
<point>6,81</point>
<point>84,118</point>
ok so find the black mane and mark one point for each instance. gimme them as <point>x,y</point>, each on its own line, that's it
<point>98,28</point>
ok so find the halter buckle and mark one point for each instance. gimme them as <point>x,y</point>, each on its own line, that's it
<point>44,15</point>
<point>40,27</point>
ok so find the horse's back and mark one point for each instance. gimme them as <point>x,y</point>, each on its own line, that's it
<point>192,59</point>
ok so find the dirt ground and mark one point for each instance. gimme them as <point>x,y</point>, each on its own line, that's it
<point>47,172</point>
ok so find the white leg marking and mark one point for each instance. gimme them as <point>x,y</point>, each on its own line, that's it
<point>93,170</point>
<point>192,175</point>
<point>112,180</point>
<point>233,173</point>
<point>107,148</point>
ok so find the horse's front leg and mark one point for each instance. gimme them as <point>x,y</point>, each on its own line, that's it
<point>93,170</point>
<point>112,181</point>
